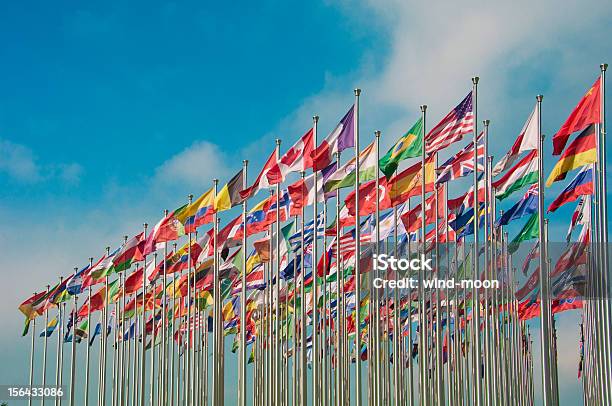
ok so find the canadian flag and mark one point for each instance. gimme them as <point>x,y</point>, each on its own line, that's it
<point>262,181</point>
<point>302,193</point>
<point>296,159</point>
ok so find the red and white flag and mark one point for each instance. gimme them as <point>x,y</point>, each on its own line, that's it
<point>452,128</point>
<point>263,180</point>
<point>341,138</point>
<point>297,158</point>
<point>526,141</point>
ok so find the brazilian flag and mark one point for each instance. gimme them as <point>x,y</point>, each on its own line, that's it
<point>410,145</point>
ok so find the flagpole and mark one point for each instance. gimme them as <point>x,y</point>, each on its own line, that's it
<point>122,387</point>
<point>277,336</point>
<point>44,363</point>
<point>88,338</point>
<point>32,358</point>
<point>243,356</point>
<point>315,290</point>
<point>374,354</point>
<point>339,398</point>
<point>357,258</point>
<point>421,293</point>
<point>61,352</point>
<point>172,340</point>
<point>164,358</point>
<point>295,331</point>
<point>104,333</point>
<point>303,335</point>
<point>59,343</point>
<point>544,303</point>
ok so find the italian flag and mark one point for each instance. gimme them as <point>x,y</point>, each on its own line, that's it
<point>523,173</point>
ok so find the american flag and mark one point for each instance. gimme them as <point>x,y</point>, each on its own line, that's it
<point>462,163</point>
<point>452,128</point>
<point>347,243</point>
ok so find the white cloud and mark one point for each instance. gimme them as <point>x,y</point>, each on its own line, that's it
<point>195,166</point>
<point>21,164</point>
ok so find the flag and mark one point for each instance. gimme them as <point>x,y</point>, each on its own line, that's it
<point>341,138</point>
<point>410,145</point>
<point>262,180</point>
<point>526,206</point>
<point>367,198</point>
<point>229,196</point>
<point>50,327</point>
<point>131,251</point>
<point>297,158</point>
<point>302,193</point>
<point>198,212</point>
<point>523,173</point>
<point>462,163</point>
<point>582,151</point>
<point>527,140</point>
<point>408,182</point>
<point>581,185</point>
<point>412,219</point>
<point>100,270</point>
<point>530,231</point>
<point>452,128</point>
<point>167,229</point>
<point>581,216</point>
<point>134,281</point>
<point>588,111</point>
<point>533,254</point>
<point>345,176</point>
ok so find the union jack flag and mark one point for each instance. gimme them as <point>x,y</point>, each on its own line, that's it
<point>462,163</point>
<point>452,128</point>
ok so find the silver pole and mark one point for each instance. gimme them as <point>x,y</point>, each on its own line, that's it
<point>32,359</point>
<point>88,338</point>
<point>73,346</point>
<point>44,365</point>
<point>303,316</point>
<point>357,257</point>
<point>315,287</point>
<point>277,336</point>
<point>421,294</point>
<point>243,354</point>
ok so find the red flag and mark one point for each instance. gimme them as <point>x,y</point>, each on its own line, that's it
<point>167,229</point>
<point>588,111</point>
<point>262,180</point>
<point>412,219</point>
<point>367,198</point>
<point>134,281</point>
<point>297,158</point>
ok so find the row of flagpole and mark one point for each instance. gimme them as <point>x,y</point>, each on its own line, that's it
<point>472,378</point>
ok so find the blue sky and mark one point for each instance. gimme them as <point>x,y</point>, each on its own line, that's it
<point>111,113</point>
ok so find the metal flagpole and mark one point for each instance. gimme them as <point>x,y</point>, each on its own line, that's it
<point>544,299</point>
<point>276,296</point>
<point>144,332</point>
<point>152,348</point>
<point>243,354</point>
<point>421,294</point>
<point>303,335</point>
<point>217,335</point>
<point>172,340</point>
<point>73,345</point>
<point>59,346</point>
<point>339,300</point>
<point>315,285</point>
<point>164,348</point>
<point>295,330</point>
<point>104,333</point>
<point>476,292</point>
<point>88,338</point>
<point>32,358</point>
<point>374,330</point>
<point>61,353</point>
<point>44,363</point>
<point>489,378</point>
<point>357,257</point>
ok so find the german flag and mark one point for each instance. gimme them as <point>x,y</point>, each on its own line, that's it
<point>582,151</point>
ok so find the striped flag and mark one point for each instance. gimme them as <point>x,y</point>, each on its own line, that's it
<point>523,173</point>
<point>452,128</point>
<point>462,163</point>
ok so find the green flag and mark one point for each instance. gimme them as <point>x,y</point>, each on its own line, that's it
<point>529,232</point>
<point>408,146</point>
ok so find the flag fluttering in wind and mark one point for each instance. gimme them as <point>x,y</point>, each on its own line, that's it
<point>526,141</point>
<point>198,212</point>
<point>529,231</point>
<point>262,181</point>
<point>407,183</point>
<point>229,196</point>
<point>452,128</point>
<point>462,163</point>
<point>167,229</point>
<point>524,207</point>
<point>581,185</point>
<point>341,138</point>
<point>345,175</point>
<point>409,145</point>
<point>523,173</point>
<point>582,151</point>
<point>297,158</point>
<point>588,111</point>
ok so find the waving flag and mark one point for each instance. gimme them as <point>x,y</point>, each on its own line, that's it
<point>524,207</point>
<point>345,176</point>
<point>582,151</point>
<point>581,185</point>
<point>198,212</point>
<point>302,193</point>
<point>412,220</point>
<point>523,173</point>
<point>167,229</point>
<point>410,145</point>
<point>262,181</point>
<point>297,158</point>
<point>462,164</point>
<point>529,231</point>
<point>229,196</point>
<point>341,138</point>
<point>452,128</point>
<point>581,216</point>
<point>588,111</point>
<point>526,141</point>
<point>131,251</point>
<point>408,182</point>
<point>367,198</point>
